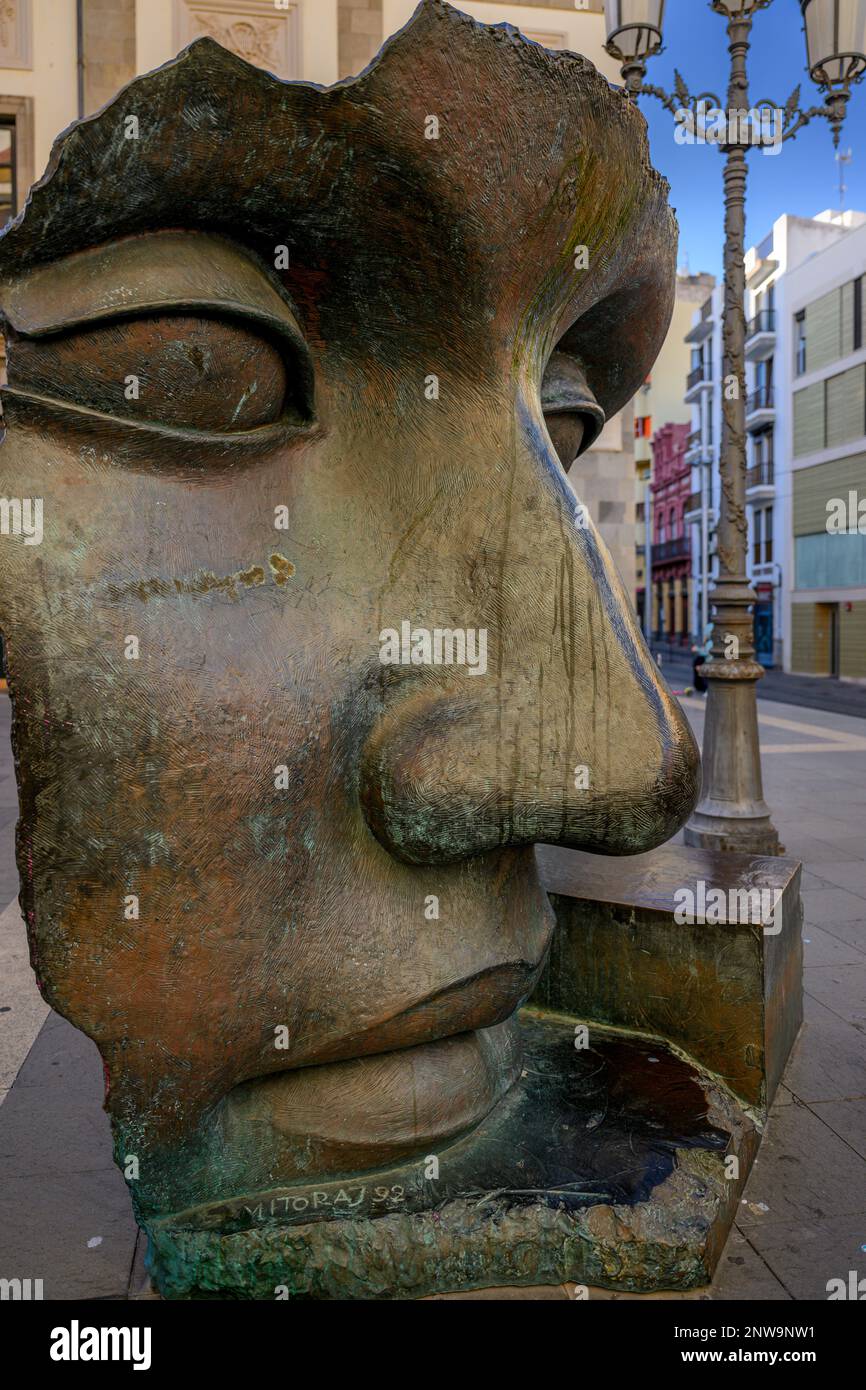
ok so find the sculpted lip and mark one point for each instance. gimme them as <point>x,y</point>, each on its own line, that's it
<point>359,1114</point>
<point>479,1002</point>
<point>367,1101</point>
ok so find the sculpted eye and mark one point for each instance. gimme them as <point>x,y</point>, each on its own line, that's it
<point>186,370</point>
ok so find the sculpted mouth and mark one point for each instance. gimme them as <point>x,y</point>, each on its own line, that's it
<point>354,1116</point>
<point>480,1001</point>
<point>402,1086</point>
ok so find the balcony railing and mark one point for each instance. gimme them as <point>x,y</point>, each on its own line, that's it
<point>698,374</point>
<point>762,399</point>
<point>760,474</point>
<point>665,551</point>
<point>695,441</point>
<point>763,322</point>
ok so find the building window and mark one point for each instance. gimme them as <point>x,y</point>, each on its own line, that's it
<point>762,457</point>
<point>768,535</point>
<point>764,374</point>
<point>762,536</point>
<point>800,339</point>
<point>16,153</point>
<point>8,169</point>
<point>16,166</point>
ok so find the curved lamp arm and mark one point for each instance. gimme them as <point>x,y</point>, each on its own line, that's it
<point>794,118</point>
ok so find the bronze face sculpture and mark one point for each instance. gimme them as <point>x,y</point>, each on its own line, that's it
<point>317,645</point>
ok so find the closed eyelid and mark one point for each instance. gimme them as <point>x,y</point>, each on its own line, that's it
<point>154,273</point>
<point>215,347</point>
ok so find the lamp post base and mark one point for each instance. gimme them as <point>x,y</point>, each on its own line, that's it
<point>732,813</point>
<point>727,832</point>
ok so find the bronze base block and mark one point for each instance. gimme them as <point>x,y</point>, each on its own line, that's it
<point>724,987</point>
<point>605,1165</point>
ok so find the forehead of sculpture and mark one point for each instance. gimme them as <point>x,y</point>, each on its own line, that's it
<point>469,191</point>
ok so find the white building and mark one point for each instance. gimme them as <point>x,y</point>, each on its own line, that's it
<point>703,394</point>
<point>804,329</point>
<point>825,409</point>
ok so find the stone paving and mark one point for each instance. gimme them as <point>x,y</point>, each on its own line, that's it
<point>65,1214</point>
<point>814,692</point>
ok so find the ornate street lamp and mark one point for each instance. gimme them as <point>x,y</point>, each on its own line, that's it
<point>732,813</point>
<point>835,45</point>
<point>634,33</point>
<point>835,33</point>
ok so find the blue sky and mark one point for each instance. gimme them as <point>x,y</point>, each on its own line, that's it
<point>803,179</point>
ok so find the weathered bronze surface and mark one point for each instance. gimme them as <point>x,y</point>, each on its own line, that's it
<point>276,369</point>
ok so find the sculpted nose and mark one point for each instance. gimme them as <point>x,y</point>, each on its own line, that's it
<point>571,737</point>
<point>447,778</point>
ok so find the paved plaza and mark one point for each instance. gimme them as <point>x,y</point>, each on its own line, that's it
<point>65,1214</point>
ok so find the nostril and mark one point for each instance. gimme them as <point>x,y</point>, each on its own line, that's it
<point>411,790</point>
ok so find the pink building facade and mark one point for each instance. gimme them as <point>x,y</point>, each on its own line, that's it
<point>671,559</point>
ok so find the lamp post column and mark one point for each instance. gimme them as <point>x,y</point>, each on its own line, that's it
<point>732,813</point>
